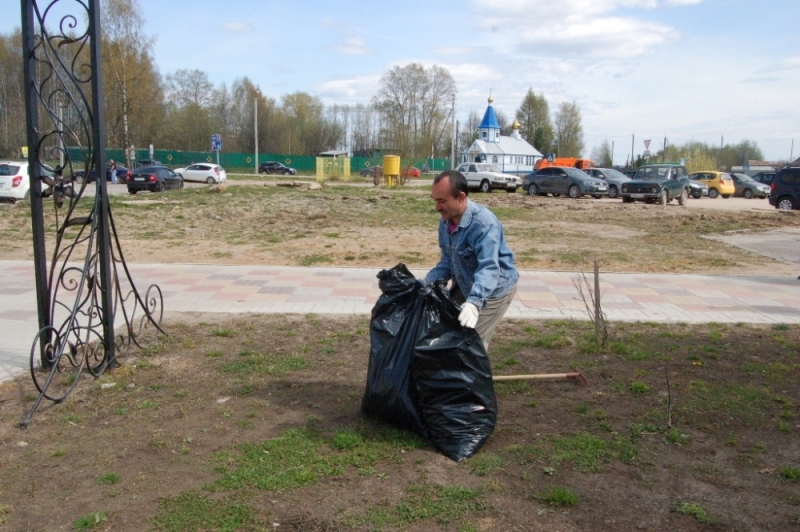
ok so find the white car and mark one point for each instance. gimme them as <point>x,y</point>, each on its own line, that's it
<point>485,177</point>
<point>203,173</point>
<point>15,183</point>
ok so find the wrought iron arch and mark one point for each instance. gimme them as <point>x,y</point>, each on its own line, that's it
<point>85,290</point>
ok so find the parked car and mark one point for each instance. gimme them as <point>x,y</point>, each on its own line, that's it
<point>746,187</point>
<point>485,177</point>
<point>785,189</point>
<point>614,178</point>
<point>765,177</point>
<point>367,172</point>
<point>719,183</point>
<point>154,179</point>
<point>15,181</point>
<point>409,171</point>
<point>630,172</point>
<point>657,182</point>
<point>274,167</point>
<point>557,180</point>
<point>146,162</point>
<point>122,173</point>
<point>697,189</point>
<point>203,173</point>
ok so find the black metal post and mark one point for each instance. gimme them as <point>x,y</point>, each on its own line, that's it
<point>37,208</point>
<point>99,139</point>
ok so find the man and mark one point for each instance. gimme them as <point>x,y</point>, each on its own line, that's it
<point>113,171</point>
<point>474,255</point>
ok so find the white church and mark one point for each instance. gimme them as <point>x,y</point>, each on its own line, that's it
<point>512,154</point>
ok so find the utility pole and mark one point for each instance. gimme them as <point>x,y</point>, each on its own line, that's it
<point>453,139</point>
<point>632,139</point>
<point>791,153</point>
<point>721,141</point>
<point>255,126</point>
<point>612,153</point>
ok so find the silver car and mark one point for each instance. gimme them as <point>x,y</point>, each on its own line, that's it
<point>614,178</point>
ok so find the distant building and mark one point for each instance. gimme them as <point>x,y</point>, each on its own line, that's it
<point>512,154</point>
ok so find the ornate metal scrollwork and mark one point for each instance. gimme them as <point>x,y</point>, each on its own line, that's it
<point>85,290</point>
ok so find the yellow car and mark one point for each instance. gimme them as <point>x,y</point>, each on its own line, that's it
<point>719,183</point>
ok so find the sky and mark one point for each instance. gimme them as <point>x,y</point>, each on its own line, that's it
<point>686,70</point>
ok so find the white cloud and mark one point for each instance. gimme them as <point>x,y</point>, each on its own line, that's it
<point>359,89</point>
<point>237,27</point>
<point>582,28</point>
<point>353,46</point>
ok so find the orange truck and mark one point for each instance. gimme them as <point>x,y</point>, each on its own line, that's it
<point>570,162</point>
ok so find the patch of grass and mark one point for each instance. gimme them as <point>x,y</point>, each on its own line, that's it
<point>190,511</point>
<point>222,333</point>
<point>554,340</point>
<point>588,452</point>
<point>790,473</point>
<point>784,427</point>
<point>146,404</point>
<point>262,364</point>
<point>214,354</point>
<point>558,496</point>
<point>443,504</point>
<point>676,436</point>
<point>638,387</point>
<point>696,511</point>
<point>484,463</point>
<point>58,453</point>
<point>318,258</point>
<point>780,327</point>
<point>90,521</point>
<point>580,408</point>
<point>4,511</point>
<point>299,457</point>
<point>108,478</point>
<point>706,403</point>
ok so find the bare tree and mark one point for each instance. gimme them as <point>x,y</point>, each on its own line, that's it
<point>131,82</point>
<point>569,131</point>
<point>602,156</point>
<point>415,104</point>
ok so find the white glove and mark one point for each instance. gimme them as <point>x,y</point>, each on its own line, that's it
<point>469,315</point>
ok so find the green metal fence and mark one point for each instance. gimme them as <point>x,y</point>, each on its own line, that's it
<point>245,162</point>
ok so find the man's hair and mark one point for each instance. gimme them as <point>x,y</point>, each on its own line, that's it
<point>458,183</point>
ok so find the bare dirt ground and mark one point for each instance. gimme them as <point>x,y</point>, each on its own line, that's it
<point>254,424</point>
<point>359,225</point>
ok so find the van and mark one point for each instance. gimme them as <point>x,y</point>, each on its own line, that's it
<point>572,162</point>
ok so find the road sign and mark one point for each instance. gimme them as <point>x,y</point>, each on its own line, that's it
<point>551,157</point>
<point>647,145</point>
<point>746,166</point>
<point>216,142</point>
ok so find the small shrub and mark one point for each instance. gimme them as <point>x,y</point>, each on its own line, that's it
<point>639,387</point>
<point>677,437</point>
<point>90,521</point>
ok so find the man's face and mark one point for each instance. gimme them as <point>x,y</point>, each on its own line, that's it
<point>446,205</point>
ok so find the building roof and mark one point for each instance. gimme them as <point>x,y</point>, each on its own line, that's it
<point>490,119</point>
<point>506,146</point>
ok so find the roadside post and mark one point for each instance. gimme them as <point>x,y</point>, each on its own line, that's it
<point>216,145</point>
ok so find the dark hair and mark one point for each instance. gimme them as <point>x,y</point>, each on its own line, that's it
<point>458,183</point>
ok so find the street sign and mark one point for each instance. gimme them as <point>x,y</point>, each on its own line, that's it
<point>746,166</point>
<point>551,157</point>
<point>216,142</point>
<point>647,145</point>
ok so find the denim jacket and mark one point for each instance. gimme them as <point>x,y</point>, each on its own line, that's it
<point>476,256</point>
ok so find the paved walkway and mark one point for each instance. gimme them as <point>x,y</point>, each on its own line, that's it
<point>540,295</point>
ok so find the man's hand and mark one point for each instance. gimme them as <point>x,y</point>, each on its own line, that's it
<point>469,315</point>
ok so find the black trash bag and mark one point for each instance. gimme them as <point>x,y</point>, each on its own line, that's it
<point>390,392</point>
<point>453,378</point>
<point>426,372</point>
